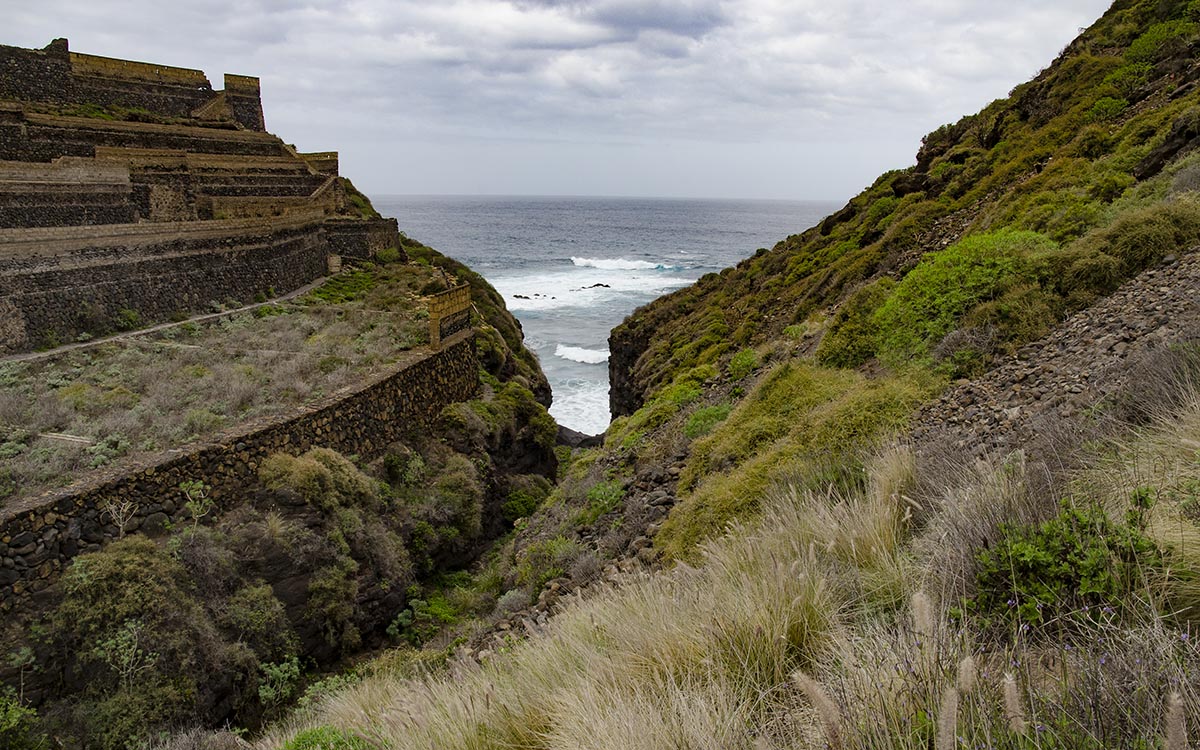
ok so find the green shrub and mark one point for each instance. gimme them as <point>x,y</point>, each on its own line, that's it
<point>703,420</point>
<point>127,319</point>
<point>333,603</point>
<point>322,477</point>
<point>853,332</point>
<point>19,724</point>
<point>107,449</point>
<point>128,618</point>
<point>326,738</point>
<point>348,286</point>
<point>602,498</point>
<point>1107,108</point>
<point>665,404</point>
<point>742,364</point>
<point>132,717</point>
<point>277,682</point>
<point>388,255</point>
<point>544,561</point>
<point>423,619</point>
<point>525,495</point>
<point>257,618</point>
<point>199,421</point>
<point>929,301</point>
<point>1161,40</point>
<point>1078,565</point>
<point>1130,77</point>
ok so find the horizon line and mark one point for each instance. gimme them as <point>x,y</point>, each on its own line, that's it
<point>374,195</point>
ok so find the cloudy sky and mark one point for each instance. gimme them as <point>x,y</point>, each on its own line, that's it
<point>802,99</point>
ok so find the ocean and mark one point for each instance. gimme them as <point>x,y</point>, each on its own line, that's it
<point>572,268</point>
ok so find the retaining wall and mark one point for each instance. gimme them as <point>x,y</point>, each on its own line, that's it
<point>28,136</point>
<point>362,238</point>
<point>58,283</point>
<point>68,191</point>
<point>54,75</point>
<point>39,537</point>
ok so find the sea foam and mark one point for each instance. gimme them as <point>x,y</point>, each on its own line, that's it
<point>619,264</point>
<point>579,354</point>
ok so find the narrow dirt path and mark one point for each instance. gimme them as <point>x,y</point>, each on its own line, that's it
<point>30,356</point>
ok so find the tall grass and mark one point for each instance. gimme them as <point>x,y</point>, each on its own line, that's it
<point>828,622</point>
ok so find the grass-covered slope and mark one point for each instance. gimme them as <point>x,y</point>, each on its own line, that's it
<point>1068,186</point>
<point>833,589</point>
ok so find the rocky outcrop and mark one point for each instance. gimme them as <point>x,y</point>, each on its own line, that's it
<point>626,344</point>
<point>1097,365</point>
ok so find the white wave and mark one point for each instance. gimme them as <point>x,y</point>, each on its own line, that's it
<point>617,264</point>
<point>579,354</point>
<point>581,405</point>
<point>584,287</point>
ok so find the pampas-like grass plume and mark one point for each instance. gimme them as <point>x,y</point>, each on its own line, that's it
<point>947,720</point>
<point>922,614</point>
<point>1014,712</point>
<point>1176,724</point>
<point>966,674</point>
<point>827,710</point>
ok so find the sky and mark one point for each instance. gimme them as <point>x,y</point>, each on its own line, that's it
<point>779,99</point>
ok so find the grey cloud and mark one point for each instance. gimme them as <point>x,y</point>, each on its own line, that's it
<point>378,78</point>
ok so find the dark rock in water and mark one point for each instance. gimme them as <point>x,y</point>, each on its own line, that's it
<point>596,286</point>
<point>520,296</point>
<point>574,439</point>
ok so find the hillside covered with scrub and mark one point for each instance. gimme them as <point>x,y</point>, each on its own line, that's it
<point>924,475</point>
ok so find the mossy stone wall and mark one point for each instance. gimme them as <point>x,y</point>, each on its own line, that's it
<point>40,537</point>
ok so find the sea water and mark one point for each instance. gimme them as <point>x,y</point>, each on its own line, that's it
<point>572,268</point>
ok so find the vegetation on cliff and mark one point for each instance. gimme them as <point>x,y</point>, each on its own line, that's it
<point>222,616</point>
<point>830,587</point>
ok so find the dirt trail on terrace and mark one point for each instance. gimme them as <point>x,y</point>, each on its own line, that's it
<point>1092,365</point>
<point>28,356</point>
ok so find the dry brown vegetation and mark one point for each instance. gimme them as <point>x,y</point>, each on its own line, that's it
<point>142,394</point>
<point>839,619</point>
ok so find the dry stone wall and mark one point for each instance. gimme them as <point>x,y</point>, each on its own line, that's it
<point>68,191</point>
<point>55,75</point>
<point>30,136</point>
<point>40,537</point>
<point>59,283</point>
<point>361,238</point>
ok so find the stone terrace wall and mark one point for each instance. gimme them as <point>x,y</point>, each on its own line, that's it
<point>362,239</point>
<point>69,191</point>
<point>244,100</point>
<point>56,283</point>
<point>30,136</point>
<point>34,75</point>
<point>40,537</point>
<point>55,75</point>
<point>324,162</point>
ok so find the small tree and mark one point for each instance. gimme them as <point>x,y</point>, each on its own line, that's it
<point>198,503</point>
<point>121,512</point>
